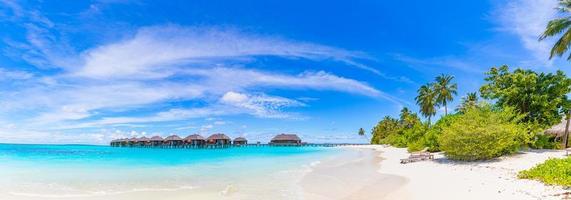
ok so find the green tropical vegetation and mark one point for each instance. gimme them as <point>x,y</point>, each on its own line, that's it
<point>514,109</point>
<point>560,27</point>
<point>555,171</point>
<point>444,90</point>
<point>483,133</point>
<point>469,101</point>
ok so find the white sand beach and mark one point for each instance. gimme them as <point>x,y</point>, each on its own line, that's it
<point>445,179</point>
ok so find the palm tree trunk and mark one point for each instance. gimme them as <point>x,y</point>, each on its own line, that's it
<point>445,109</point>
<point>428,121</point>
<point>566,137</point>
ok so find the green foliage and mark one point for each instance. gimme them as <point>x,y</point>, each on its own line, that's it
<point>426,99</point>
<point>430,139</point>
<point>540,97</point>
<point>361,132</point>
<point>398,132</point>
<point>445,90</point>
<point>541,141</point>
<point>554,171</point>
<point>483,133</point>
<point>414,136</point>
<point>560,27</point>
<point>469,101</point>
<point>387,126</point>
<point>396,140</point>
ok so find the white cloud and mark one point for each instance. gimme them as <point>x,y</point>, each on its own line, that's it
<point>527,20</point>
<point>157,52</point>
<point>260,105</point>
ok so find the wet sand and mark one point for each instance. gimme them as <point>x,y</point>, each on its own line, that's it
<point>352,176</point>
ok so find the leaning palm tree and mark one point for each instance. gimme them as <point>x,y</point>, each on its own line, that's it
<point>426,99</point>
<point>556,27</point>
<point>445,90</point>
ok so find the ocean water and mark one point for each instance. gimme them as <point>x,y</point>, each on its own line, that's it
<point>84,171</point>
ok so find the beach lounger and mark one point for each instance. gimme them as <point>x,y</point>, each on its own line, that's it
<point>418,156</point>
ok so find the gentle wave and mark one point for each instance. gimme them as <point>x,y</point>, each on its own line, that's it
<point>104,193</point>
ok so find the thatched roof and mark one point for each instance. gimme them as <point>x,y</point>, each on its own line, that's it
<point>157,138</point>
<point>134,139</point>
<point>218,136</point>
<point>193,137</point>
<point>286,137</point>
<point>558,130</point>
<point>240,139</point>
<point>173,138</point>
<point>144,139</point>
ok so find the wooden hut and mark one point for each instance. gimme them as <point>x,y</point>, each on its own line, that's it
<point>144,141</point>
<point>194,140</point>
<point>173,140</point>
<point>218,139</point>
<point>558,130</point>
<point>156,141</point>
<point>124,142</point>
<point>240,141</point>
<point>286,139</point>
<point>133,141</point>
<point>114,142</point>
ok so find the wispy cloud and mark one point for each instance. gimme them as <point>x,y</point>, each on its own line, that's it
<point>527,20</point>
<point>157,52</point>
<point>450,62</point>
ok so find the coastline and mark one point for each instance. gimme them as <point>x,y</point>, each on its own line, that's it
<point>445,179</point>
<point>352,175</point>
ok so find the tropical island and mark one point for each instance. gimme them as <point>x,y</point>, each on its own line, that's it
<point>312,100</point>
<point>508,140</point>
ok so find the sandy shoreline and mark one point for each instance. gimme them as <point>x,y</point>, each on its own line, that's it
<point>371,172</point>
<point>445,179</point>
<point>353,175</point>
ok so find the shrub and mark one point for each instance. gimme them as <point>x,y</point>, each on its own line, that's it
<point>553,172</point>
<point>542,141</point>
<point>430,139</point>
<point>396,140</point>
<point>482,133</point>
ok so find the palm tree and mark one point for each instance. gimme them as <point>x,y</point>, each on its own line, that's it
<point>362,133</point>
<point>426,99</point>
<point>469,101</point>
<point>558,26</point>
<point>445,90</point>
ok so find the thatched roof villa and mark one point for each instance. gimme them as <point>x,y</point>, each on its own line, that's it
<point>144,141</point>
<point>194,139</point>
<point>156,140</point>
<point>133,141</point>
<point>558,130</point>
<point>286,139</point>
<point>173,140</point>
<point>219,139</point>
<point>240,141</point>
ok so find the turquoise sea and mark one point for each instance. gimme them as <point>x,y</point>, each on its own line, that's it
<point>85,171</point>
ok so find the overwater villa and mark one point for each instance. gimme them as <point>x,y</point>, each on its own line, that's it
<point>133,141</point>
<point>286,139</point>
<point>194,140</point>
<point>156,141</point>
<point>240,141</point>
<point>173,140</point>
<point>218,139</point>
<point>144,141</point>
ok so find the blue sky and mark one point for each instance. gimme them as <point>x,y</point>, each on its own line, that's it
<point>92,71</point>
